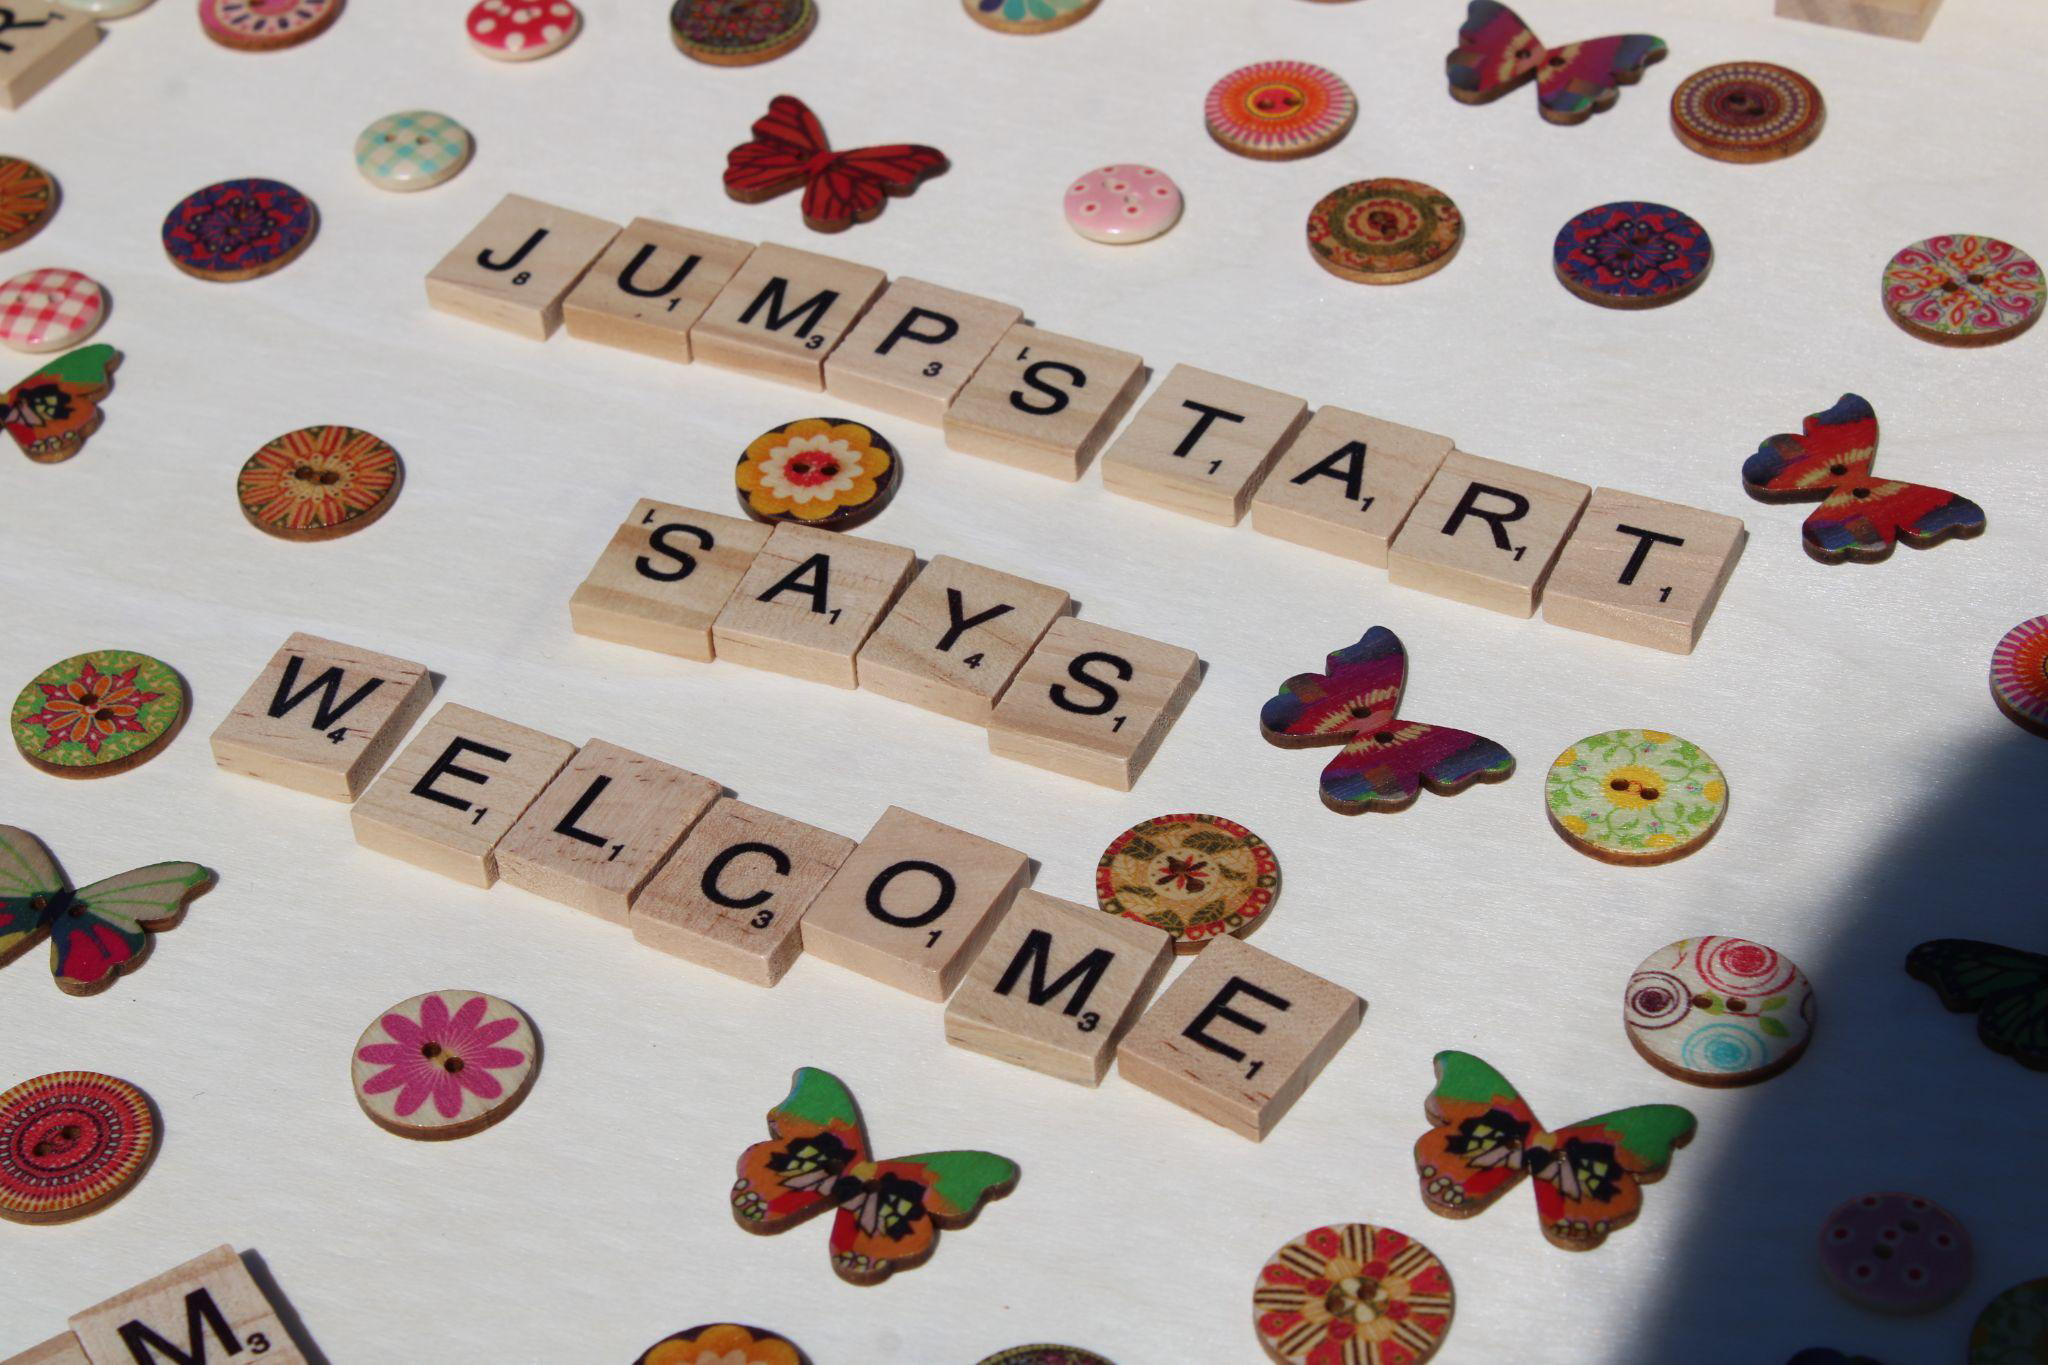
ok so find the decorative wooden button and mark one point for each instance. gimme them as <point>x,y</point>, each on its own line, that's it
<point>1962,289</point>
<point>1497,52</point>
<point>1635,797</point>
<point>1895,1253</point>
<point>1632,255</point>
<point>1277,111</point>
<point>97,714</point>
<point>318,483</point>
<point>1385,231</point>
<point>71,1143</point>
<point>445,1064</point>
<point>826,472</point>
<point>1194,876</point>
<point>1747,111</point>
<point>27,199</point>
<point>1719,1011</point>
<point>789,148</point>
<point>96,931</point>
<point>106,9</point>
<point>50,310</point>
<point>1355,1294</point>
<point>266,25</point>
<point>522,30</point>
<point>239,229</point>
<point>2006,988</point>
<point>2013,1328</point>
<point>53,412</point>
<point>415,150</point>
<point>1123,204</point>
<point>1029,16</point>
<point>2019,674</point>
<point>1044,1354</point>
<point>723,1343</point>
<point>725,33</point>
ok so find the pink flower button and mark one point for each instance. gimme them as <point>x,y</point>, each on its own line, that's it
<point>1123,204</point>
<point>50,310</point>
<point>445,1064</point>
<point>1896,1253</point>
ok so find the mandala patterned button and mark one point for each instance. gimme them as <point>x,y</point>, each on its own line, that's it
<point>2019,674</point>
<point>1385,231</point>
<point>318,483</point>
<point>27,199</point>
<point>1277,111</point>
<point>1353,1294</point>
<point>723,1343</point>
<point>1896,1253</point>
<point>239,229</point>
<point>1747,111</point>
<point>1044,1354</point>
<point>522,30</point>
<point>2013,1328</point>
<point>445,1064</point>
<point>50,310</point>
<point>1719,1011</point>
<point>740,32</point>
<point>1123,204</point>
<point>98,714</point>
<point>266,25</point>
<point>71,1143</point>
<point>415,150</point>
<point>1636,797</point>
<point>1962,289</point>
<point>1632,255</point>
<point>1029,16</point>
<point>1195,876</point>
<point>826,472</point>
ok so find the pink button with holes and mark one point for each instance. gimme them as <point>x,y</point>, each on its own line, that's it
<point>1123,204</point>
<point>50,310</point>
<point>1896,1253</point>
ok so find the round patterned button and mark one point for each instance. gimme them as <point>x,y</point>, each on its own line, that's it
<point>1045,1354</point>
<point>1123,204</point>
<point>239,229</point>
<point>50,310</point>
<point>415,150</point>
<point>71,1143</point>
<point>1962,289</point>
<point>1632,255</point>
<point>1354,1293</point>
<point>1194,876</point>
<point>522,30</point>
<point>266,25</point>
<point>27,199</point>
<point>1277,111</point>
<point>2013,1328</point>
<point>1895,1253</point>
<point>740,32</point>
<point>97,714</point>
<point>445,1064</point>
<point>827,472</point>
<point>1385,231</point>
<point>1636,797</point>
<point>2019,674</point>
<point>1028,16</point>
<point>723,1343</point>
<point>1719,1011</point>
<point>105,9</point>
<point>318,483</point>
<point>1747,111</point>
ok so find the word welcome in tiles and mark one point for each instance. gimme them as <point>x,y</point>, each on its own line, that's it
<point>1484,532</point>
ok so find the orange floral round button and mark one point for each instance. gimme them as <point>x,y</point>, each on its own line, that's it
<point>1194,876</point>
<point>317,483</point>
<point>723,1343</point>
<point>27,199</point>
<point>821,471</point>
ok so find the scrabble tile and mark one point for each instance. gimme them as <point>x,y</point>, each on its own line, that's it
<point>1486,534</point>
<point>38,44</point>
<point>1643,571</point>
<point>1238,1036</point>
<point>916,349</point>
<point>1044,402</point>
<point>58,1350</point>
<point>809,601</point>
<point>1908,19</point>
<point>649,288</point>
<point>206,1309</point>
<point>451,794</point>
<point>1057,987</point>
<point>516,266</point>
<point>914,903</point>
<point>783,314</point>
<point>322,717</point>
<point>734,895</point>
<point>596,833</point>
<point>1347,483</point>
<point>957,636</point>
<point>664,577</point>
<point>1093,703</point>
<point>1201,444</point>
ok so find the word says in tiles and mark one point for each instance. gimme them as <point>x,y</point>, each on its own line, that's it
<point>1497,52</point>
<point>650,286</point>
<point>322,717</point>
<point>957,636</point>
<point>209,1303</point>
<point>515,267</point>
<point>1201,444</point>
<point>664,577</point>
<point>38,43</point>
<point>808,603</point>
<point>1094,703</point>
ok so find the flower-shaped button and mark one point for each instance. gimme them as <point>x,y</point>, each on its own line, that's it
<point>826,472</point>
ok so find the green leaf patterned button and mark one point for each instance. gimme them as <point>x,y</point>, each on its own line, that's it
<point>1636,797</point>
<point>97,714</point>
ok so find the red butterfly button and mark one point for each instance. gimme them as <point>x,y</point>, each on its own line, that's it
<point>840,188</point>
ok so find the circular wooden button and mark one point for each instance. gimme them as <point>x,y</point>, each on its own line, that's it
<point>1354,1293</point>
<point>2013,1328</point>
<point>1895,1253</point>
<point>1719,1011</point>
<point>2019,674</point>
<point>1045,1354</point>
<point>1632,255</point>
<point>740,32</point>
<point>827,472</point>
<point>1962,289</point>
<point>1385,231</point>
<point>445,1064</point>
<point>239,229</point>
<point>1123,204</point>
<point>1194,876</point>
<point>318,483</point>
<point>522,30</point>
<point>266,25</point>
<point>1277,111</point>
<point>415,150</point>
<point>71,1143</point>
<point>1028,16</point>
<point>97,714</point>
<point>105,9</point>
<point>27,199</point>
<point>724,1343</point>
<point>50,310</point>
<point>1747,111</point>
<point>1636,797</point>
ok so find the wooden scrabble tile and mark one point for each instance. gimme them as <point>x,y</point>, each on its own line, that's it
<point>1044,402</point>
<point>211,1304</point>
<point>1643,571</point>
<point>650,287</point>
<point>916,349</point>
<point>1486,533</point>
<point>1201,444</point>
<point>1057,987</point>
<point>783,313</point>
<point>451,794</point>
<point>914,903</point>
<point>58,1350</point>
<point>1238,1036</point>
<point>1908,19</point>
<point>734,894</point>
<point>515,267</point>
<point>1347,483</point>
<point>322,717</point>
<point>596,833</point>
<point>1093,703</point>
<point>957,636</point>
<point>664,578</point>
<point>809,602</point>
<point>38,43</point>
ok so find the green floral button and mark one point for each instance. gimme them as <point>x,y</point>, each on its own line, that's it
<point>96,714</point>
<point>1636,796</point>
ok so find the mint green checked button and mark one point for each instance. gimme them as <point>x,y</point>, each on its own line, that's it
<point>416,150</point>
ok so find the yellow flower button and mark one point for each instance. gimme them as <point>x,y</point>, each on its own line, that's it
<point>826,472</point>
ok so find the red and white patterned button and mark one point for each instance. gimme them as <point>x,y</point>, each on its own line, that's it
<point>1122,204</point>
<point>521,30</point>
<point>50,310</point>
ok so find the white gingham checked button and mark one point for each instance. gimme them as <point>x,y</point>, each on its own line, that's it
<point>415,150</point>
<point>50,310</point>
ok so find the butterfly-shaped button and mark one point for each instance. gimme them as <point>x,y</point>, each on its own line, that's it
<point>1497,52</point>
<point>94,932</point>
<point>51,413</point>
<point>840,188</point>
<point>2006,989</point>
